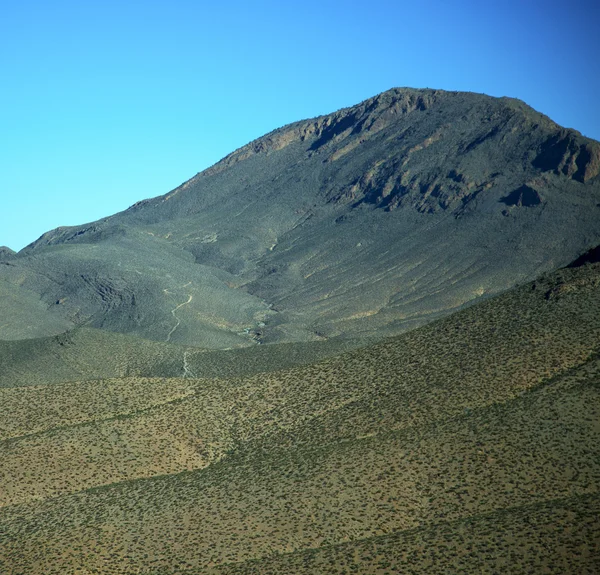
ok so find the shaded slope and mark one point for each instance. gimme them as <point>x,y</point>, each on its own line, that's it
<point>367,221</point>
<point>85,354</point>
<point>486,420</point>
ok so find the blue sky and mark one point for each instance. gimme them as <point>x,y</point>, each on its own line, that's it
<point>104,103</point>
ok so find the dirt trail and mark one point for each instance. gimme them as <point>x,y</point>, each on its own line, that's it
<point>177,320</point>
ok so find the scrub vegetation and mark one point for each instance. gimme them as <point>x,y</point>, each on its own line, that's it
<point>469,445</point>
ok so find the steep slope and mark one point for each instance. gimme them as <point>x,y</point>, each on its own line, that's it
<point>464,444</point>
<point>364,222</point>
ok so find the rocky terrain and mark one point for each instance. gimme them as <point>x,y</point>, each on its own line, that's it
<point>362,223</point>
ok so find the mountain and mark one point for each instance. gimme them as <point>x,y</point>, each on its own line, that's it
<point>424,269</point>
<point>470,444</point>
<point>359,224</point>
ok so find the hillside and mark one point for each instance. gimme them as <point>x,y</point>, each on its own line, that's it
<point>358,224</point>
<point>92,354</point>
<point>470,444</point>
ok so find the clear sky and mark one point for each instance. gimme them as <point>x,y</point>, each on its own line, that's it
<point>103,103</point>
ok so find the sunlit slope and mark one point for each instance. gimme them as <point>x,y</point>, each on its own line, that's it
<point>365,222</point>
<point>538,451</point>
<point>474,436</point>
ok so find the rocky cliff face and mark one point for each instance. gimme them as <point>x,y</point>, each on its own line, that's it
<point>567,153</point>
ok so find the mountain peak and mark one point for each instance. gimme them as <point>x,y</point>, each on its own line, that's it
<point>560,151</point>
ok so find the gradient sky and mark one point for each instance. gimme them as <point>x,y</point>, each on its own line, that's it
<point>104,103</point>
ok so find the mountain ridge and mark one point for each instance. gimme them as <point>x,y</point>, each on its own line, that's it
<point>566,151</point>
<point>423,199</point>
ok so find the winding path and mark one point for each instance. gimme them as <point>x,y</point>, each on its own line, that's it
<point>177,320</point>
